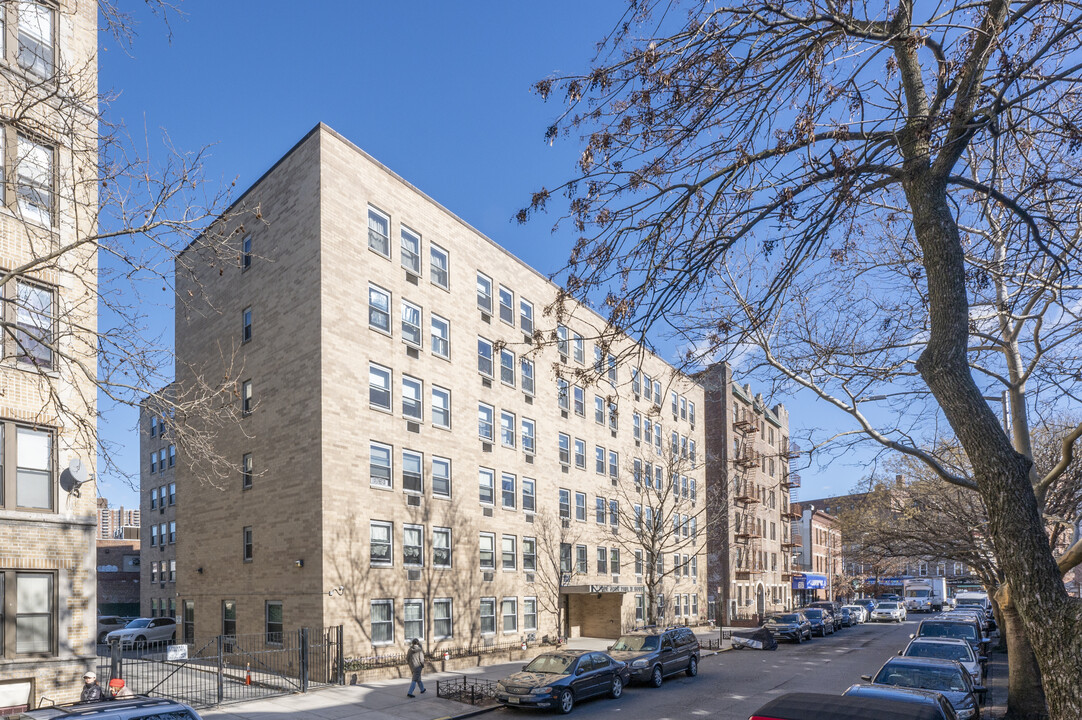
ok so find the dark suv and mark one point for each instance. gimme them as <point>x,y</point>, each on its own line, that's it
<point>136,708</point>
<point>653,653</point>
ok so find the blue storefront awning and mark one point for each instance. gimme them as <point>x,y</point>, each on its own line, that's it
<point>809,581</point>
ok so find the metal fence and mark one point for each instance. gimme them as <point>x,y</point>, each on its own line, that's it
<point>230,668</point>
<point>370,662</point>
<point>474,691</point>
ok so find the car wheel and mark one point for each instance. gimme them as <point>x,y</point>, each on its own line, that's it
<point>617,688</point>
<point>567,701</point>
<point>140,643</point>
<point>101,638</point>
<point>173,638</point>
<point>693,668</point>
<point>656,678</point>
<point>799,638</point>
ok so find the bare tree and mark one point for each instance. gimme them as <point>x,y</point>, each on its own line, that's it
<point>556,541</point>
<point>833,187</point>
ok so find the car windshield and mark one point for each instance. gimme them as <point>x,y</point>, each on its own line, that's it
<point>555,664</point>
<point>138,623</point>
<point>814,614</point>
<point>852,608</point>
<point>943,651</point>
<point>888,606</point>
<point>783,619</point>
<point>927,678</point>
<point>963,631</point>
<point>636,643</point>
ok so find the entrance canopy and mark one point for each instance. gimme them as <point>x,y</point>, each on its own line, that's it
<point>595,589</point>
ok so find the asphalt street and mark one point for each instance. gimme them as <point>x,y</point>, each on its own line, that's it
<point>733,684</point>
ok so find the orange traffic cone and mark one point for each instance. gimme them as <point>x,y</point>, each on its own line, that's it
<point>248,674</point>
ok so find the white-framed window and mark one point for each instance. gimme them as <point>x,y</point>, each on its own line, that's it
<point>614,560</point>
<point>412,398</point>
<point>274,622</point>
<point>580,401</point>
<point>379,387</point>
<point>411,324</point>
<point>379,465</point>
<point>564,444</point>
<point>484,357</point>
<point>507,306</point>
<point>247,396</point>
<point>580,349</point>
<point>614,513</point>
<point>441,336</point>
<point>246,325</point>
<point>602,560</point>
<point>613,416</point>
<point>582,564</point>
<point>638,559</point>
<point>562,394</point>
<point>565,503</point>
<point>599,510</point>
<point>674,398</point>
<point>526,371</point>
<point>442,622</point>
<point>487,551</point>
<point>528,437</point>
<point>657,438</point>
<point>508,491</point>
<point>509,552</point>
<point>441,407</point>
<point>441,476</point>
<point>561,340</point>
<point>413,464</point>
<point>612,369</point>
<point>614,464</point>
<point>636,426</point>
<point>247,467</point>
<point>379,232</point>
<point>509,611</point>
<point>439,266</point>
<point>381,543</point>
<point>580,507</point>
<point>441,547</point>
<point>525,316</point>
<point>529,614</point>
<point>34,187</point>
<point>599,410</point>
<point>529,554</point>
<point>246,252</point>
<point>599,460</point>
<point>691,412</point>
<point>413,545</point>
<point>485,420</point>
<point>484,293</point>
<point>488,616</point>
<point>529,494</point>
<point>36,38</point>
<point>382,613</point>
<point>507,429</point>
<point>379,309</point>
<point>639,608</point>
<point>413,619</point>
<point>486,480</point>
<point>580,454</point>
<point>411,251</point>
<point>507,367</point>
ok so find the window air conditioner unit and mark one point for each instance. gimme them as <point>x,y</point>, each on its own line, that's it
<point>529,577</point>
<point>487,512</point>
<point>413,500</point>
<point>529,459</point>
<point>486,382</point>
<point>485,317</point>
<point>489,577</point>
<point>529,517</point>
<point>565,523</point>
<point>413,575</point>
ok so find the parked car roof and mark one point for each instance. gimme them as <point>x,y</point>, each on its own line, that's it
<point>817,706</point>
<point>136,707</point>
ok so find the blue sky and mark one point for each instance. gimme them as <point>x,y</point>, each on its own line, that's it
<point>439,92</point>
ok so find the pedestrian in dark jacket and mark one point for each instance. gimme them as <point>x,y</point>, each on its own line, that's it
<point>91,689</point>
<point>415,658</point>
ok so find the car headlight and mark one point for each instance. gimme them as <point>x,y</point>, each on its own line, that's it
<point>500,686</point>
<point>543,690</point>
<point>639,664</point>
<point>966,713</point>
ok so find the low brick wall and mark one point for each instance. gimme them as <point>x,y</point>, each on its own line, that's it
<point>357,677</point>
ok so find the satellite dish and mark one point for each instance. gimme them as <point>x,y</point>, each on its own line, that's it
<point>74,476</point>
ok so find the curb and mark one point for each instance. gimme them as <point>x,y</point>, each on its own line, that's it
<point>471,713</point>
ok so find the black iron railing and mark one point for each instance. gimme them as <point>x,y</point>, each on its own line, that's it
<point>474,691</point>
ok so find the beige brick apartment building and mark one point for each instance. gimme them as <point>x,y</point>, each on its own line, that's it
<point>410,461</point>
<point>750,545</point>
<point>157,507</point>
<point>48,87</point>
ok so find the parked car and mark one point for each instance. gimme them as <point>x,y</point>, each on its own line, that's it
<point>933,704</point>
<point>868,603</point>
<point>108,623</point>
<point>830,607</point>
<point>844,618</point>
<point>947,677</point>
<point>819,706</point>
<point>888,611</point>
<point>859,612</point>
<point>975,613</point>
<point>652,654</point>
<point>561,679</point>
<point>967,629</point>
<point>821,621</point>
<point>136,708</point>
<point>141,632</point>
<point>793,626</point>
<point>949,649</point>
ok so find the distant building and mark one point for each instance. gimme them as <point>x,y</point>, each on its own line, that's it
<point>158,508</point>
<point>819,556</point>
<point>117,523</point>
<point>118,577</point>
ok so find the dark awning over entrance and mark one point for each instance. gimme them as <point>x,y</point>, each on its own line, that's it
<point>595,589</point>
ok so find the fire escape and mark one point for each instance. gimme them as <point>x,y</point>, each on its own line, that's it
<point>747,501</point>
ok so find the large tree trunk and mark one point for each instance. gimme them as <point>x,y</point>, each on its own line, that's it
<point>1025,694</point>
<point>1052,620</point>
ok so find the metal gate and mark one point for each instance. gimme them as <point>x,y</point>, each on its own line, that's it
<point>230,668</point>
